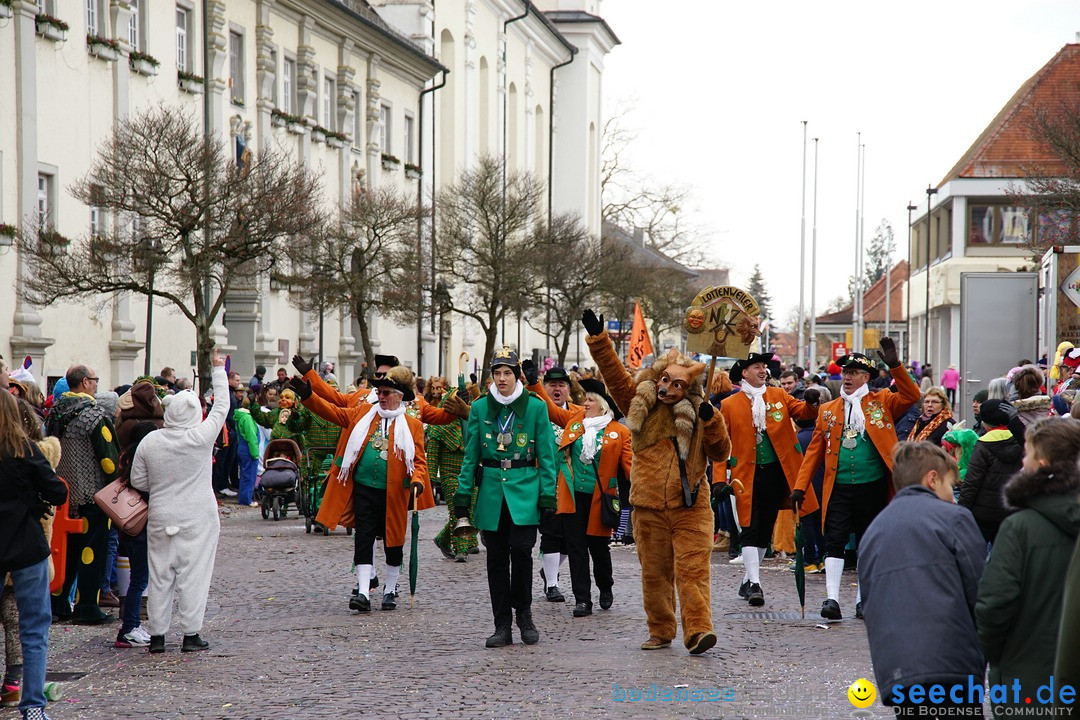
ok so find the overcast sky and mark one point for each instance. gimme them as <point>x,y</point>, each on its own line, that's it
<point>720,90</point>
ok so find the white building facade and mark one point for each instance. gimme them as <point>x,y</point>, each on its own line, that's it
<point>362,78</point>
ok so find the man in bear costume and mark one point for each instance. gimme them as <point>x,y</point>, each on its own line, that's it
<point>675,432</point>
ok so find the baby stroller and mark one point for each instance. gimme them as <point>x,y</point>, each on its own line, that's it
<point>280,480</point>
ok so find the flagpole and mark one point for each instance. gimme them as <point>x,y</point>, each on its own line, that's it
<point>802,259</point>
<point>813,273</point>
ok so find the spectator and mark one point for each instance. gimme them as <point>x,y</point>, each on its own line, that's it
<point>88,463</point>
<point>935,420</point>
<point>918,615</point>
<point>174,466</point>
<point>976,406</point>
<point>1067,667</point>
<point>1020,596</point>
<point>1032,404</point>
<point>24,548</point>
<point>227,456</point>
<point>281,381</point>
<point>247,446</point>
<point>792,385</point>
<point>131,633</point>
<point>998,389</point>
<point>950,380</point>
<point>169,376</point>
<point>257,379</point>
<point>996,458</point>
<point>927,380</point>
<point>110,403</point>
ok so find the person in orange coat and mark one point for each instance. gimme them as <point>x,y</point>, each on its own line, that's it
<point>379,467</point>
<point>596,447</point>
<point>854,437</point>
<point>765,459</point>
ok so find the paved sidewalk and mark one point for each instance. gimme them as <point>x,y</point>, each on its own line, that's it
<point>285,645</point>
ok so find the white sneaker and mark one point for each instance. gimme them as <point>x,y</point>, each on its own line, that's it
<point>737,560</point>
<point>228,493</point>
<point>132,639</point>
<point>142,633</point>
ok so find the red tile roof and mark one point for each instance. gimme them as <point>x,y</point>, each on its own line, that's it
<point>1005,148</point>
<point>874,301</point>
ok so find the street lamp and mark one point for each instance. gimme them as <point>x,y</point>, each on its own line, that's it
<point>930,192</point>
<point>444,302</point>
<point>149,248</point>
<point>910,209</point>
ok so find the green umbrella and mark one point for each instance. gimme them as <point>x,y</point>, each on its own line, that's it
<point>414,559</point>
<point>800,570</point>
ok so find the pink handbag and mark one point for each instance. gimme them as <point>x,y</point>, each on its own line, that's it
<point>124,506</point>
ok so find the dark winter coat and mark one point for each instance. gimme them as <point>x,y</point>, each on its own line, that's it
<point>938,433</point>
<point>996,458</point>
<point>1067,667</point>
<point>24,483</point>
<point>1020,596</point>
<point>919,619</point>
<point>904,424</point>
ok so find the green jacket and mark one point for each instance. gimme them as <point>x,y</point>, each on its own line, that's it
<point>1067,667</point>
<point>245,426</point>
<point>525,489</point>
<point>1019,604</point>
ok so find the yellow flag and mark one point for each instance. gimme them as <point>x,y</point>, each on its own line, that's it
<point>640,344</point>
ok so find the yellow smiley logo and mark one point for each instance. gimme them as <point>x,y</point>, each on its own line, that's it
<point>862,693</point>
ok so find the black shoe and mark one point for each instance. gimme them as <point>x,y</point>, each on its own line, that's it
<point>388,602</point>
<point>193,643</point>
<point>443,549</point>
<point>553,594</point>
<point>501,638</point>
<point>744,590</point>
<point>830,610</point>
<point>99,619</point>
<point>360,602</point>
<point>606,598</point>
<point>374,582</point>
<point>582,609</point>
<point>628,538</point>
<point>529,635</point>
<point>474,550</point>
<point>157,643</point>
<point>858,610</point>
<point>754,595</point>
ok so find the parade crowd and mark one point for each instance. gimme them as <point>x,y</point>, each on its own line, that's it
<point>964,533</point>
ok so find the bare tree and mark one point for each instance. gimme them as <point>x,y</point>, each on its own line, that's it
<point>1052,191</point>
<point>485,243</point>
<point>365,261</point>
<point>571,265</point>
<point>190,221</point>
<point>631,200</point>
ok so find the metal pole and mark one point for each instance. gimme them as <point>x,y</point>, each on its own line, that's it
<point>149,319</point>
<point>862,251</point>
<point>802,259</point>
<point>930,191</point>
<point>813,274</point>
<point>910,209</point>
<point>855,290</point>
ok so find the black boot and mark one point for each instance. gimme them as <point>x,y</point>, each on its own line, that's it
<point>830,610</point>
<point>360,603</point>
<point>194,643</point>
<point>157,643</point>
<point>501,638</point>
<point>529,635</point>
<point>754,595</point>
<point>606,598</point>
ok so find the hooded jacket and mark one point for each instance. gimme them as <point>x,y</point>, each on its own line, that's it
<point>23,540</point>
<point>1020,595</point>
<point>996,458</point>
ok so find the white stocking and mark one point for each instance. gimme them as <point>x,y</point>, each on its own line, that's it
<point>834,573</point>
<point>752,564</point>
<point>363,578</point>
<point>392,572</point>
<point>551,569</point>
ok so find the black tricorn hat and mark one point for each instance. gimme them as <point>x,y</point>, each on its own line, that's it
<point>592,385</point>
<point>858,361</point>
<point>398,378</point>
<point>390,360</point>
<point>735,371</point>
<point>555,374</point>
<point>507,357</point>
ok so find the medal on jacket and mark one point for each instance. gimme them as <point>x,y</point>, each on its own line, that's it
<point>384,456</point>
<point>505,437</point>
<point>379,441</point>
<point>849,441</point>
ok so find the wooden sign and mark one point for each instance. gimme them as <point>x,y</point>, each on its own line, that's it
<point>722,320</point>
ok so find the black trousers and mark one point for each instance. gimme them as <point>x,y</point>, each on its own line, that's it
<point>225,462</point>
<point>851,510</point>
<point>580,545</point>
<point>553,536</point>
<point>369,508</point>
<point>770,492</point>
<point>509,567</point>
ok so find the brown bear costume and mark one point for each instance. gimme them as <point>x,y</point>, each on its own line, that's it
<point>674,542</point>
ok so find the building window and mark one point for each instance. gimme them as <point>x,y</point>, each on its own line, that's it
<point>358,121</point>
<point>236,67</point>
<point>288,72</point>
<point>91,17</point>
<point>183,27</point>
<point>45,213</point>
<point>384,129</point>
<point>134,36</point>
<point>407,148</point>
<point>998,225</point>
<point>329,96</point>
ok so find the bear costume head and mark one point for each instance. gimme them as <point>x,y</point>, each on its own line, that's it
<point>676,382</point>
<point>676,379</point>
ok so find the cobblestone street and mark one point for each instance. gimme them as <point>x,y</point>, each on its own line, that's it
<point>284,645</point>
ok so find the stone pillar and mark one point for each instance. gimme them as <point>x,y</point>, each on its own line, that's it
<point>374,121</point>
<point>26,337</point>
<point>349,356</point>
<point>266,349</point>
<point>215,88</point>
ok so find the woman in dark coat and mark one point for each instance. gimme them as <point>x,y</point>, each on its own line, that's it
<point>996,458</point>
<point>936,418</point>
<point>1018,611</point>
